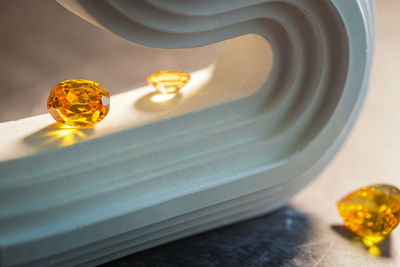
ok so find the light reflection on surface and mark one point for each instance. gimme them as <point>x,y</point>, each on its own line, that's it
<point>65,136</point>
<point>374,251</point>
<point>157,98</point>
<point>155,102</point>
<point>57,135</point>
<point>382,249</point>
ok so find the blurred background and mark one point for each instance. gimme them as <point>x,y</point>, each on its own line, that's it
<point>43,44</point>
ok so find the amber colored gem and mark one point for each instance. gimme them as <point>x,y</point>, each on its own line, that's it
<point>371,212</point>
<point>168,81</point>
<point>78,103</point>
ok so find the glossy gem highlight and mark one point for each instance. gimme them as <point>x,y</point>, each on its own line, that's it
<point>371,212</point>
<point>168,81</point>
<point>78,103</point>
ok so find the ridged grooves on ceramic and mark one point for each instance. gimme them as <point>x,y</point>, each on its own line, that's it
<point>273,142</point>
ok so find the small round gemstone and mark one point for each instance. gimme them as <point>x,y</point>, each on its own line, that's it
<point>371,212</point>
<point>168,81</point>
<point>78,103</point>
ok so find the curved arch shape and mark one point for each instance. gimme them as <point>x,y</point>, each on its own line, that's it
<point>217,165</point>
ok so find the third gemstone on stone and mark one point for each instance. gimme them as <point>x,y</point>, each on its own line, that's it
<point>371,212</point>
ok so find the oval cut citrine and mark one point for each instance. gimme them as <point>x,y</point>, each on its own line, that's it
<point>78,103</point>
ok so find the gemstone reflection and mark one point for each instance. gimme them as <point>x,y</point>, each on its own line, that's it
<point>168,81</point>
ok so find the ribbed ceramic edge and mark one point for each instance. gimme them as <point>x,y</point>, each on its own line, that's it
<point>289,131</point>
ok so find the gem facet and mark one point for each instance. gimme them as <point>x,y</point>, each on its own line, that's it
<point>168,81</point>
<point>78,103</point>
<point>371,212</point>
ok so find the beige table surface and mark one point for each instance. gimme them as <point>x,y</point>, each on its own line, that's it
<point>370,154</point>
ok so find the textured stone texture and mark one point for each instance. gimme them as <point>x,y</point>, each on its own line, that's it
<point>271,240</point>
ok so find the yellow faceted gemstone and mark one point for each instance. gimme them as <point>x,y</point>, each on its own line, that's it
<point>78,103</point>
<point>168,81</point>
<point>371,212</point>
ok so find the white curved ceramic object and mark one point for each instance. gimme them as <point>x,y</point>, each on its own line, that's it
<point>139,181</point>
